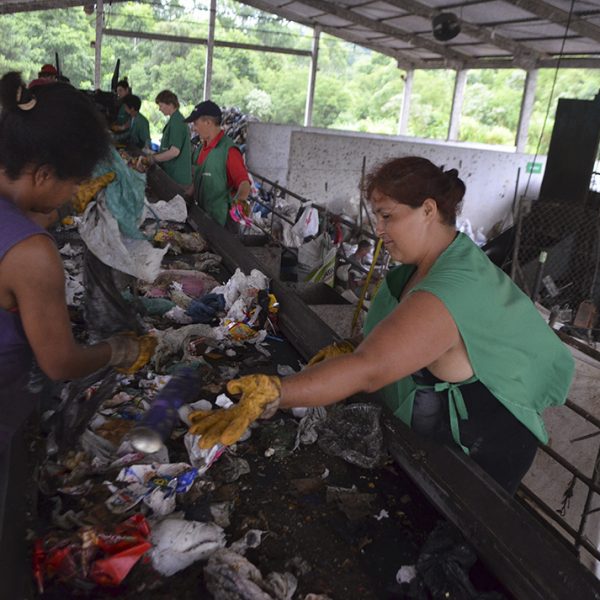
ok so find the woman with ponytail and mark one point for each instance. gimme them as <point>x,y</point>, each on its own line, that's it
<point>51,137</point>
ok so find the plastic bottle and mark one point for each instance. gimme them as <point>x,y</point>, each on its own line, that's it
<point>158,421</point>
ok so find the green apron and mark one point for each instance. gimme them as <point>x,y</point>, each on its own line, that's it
<point>176,133</point>
<point>512,350</point>
<point>210,181</point>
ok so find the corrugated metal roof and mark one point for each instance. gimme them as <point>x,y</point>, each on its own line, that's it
<point>495,33</point>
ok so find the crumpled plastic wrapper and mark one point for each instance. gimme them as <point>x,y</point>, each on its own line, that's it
<point>307,427</point>
<point>173,342</point>
<point>353,432</point>
<point>179,543</point>
<point>230,576</point>
<point>100,231</point>
<point>240,285</point>
<point>172,210</point>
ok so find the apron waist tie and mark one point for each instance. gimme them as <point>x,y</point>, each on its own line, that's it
<point>456,405</point>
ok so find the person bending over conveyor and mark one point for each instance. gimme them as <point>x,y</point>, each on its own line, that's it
<point>459,353</point>
<point>175,155</point>
<point>138,133</point>
<point>40,171</point>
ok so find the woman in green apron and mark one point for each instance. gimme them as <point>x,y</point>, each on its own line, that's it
<point>457,351</point>
<point>175,154</point>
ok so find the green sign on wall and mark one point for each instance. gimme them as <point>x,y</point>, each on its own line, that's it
<point>534,167</point>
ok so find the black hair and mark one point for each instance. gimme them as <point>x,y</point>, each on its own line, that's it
<point>363,244</point>
<point>132,101</point>
<point>54,125</point>
<point>124,83</point>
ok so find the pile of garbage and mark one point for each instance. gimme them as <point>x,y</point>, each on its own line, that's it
<point>235,125</point>
<point>128,498</point>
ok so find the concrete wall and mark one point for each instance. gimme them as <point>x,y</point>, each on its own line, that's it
<point>325,165</point>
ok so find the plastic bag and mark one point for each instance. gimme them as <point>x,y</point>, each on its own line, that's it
<point>353,433</point>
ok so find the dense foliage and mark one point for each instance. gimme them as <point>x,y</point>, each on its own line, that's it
<point>356,89</point>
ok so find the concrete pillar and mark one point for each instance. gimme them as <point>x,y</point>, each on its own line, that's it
<point>210,44</point>
<point>526,109</point>
<point>457,103</point>
<point>98,44</point>
<point>312,78</point>
<point>406,94</point>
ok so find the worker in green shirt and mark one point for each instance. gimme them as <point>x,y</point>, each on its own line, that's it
<point>458,351</point>
<point>175,154</point>
<point>138,133</point>
<point>122,121</point>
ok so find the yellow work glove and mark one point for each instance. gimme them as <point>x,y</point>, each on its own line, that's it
<point>331,351</point>
<point>260,399</point>
<point>129,353</point>
<point>89,189</point>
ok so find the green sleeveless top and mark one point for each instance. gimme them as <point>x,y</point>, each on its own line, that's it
<point>210,181</point>
<point>512,350</point>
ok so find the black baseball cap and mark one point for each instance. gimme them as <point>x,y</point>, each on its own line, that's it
<point>205,109</point>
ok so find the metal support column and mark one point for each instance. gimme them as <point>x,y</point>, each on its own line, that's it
<point>457,102</point>
<point>312,78</point>
<point>406,94</point>
<point>98,44</point>
<point>210,44</point>
<point>526,109</point>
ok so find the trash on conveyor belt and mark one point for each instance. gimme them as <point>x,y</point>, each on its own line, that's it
<point>307,505</point>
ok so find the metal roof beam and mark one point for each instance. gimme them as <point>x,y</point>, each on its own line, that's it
<point>499,63</point>
<point>560,17</point>
<point>395,32</point>
<point>343,34</point>
<point>180,39</point>
<point>522,53</point>
<point>15,6</point>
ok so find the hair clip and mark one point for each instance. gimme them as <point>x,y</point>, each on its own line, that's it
<point>25,99</point>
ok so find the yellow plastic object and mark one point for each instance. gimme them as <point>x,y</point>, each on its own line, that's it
<point>240,331</point>
<point>89,189</point>
<point>273,304</point>
<point>68,220</point>
<point>331,351</point>
<point>147,346</point>
<point>260,398</point>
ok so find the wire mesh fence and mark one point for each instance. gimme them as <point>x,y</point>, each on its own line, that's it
<point>556,258</point>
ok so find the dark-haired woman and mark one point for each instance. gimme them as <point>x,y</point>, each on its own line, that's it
<point>175,154</point>
<point>50,140</point>
<point>458,351</point>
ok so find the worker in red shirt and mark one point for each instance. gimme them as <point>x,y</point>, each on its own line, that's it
<point>221,179</point>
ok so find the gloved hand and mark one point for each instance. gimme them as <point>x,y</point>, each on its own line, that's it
<point>129,353</point>
<point>260,399</point>
<point>331,351</point>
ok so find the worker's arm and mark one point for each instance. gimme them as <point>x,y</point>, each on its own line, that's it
<point>35,276</point>
<point>415,335</point>
<point>165,155</point>
<point>237,174</point>
<point>243,191</point>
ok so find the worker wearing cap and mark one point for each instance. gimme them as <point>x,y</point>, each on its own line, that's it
<point>220,175</point>
<point>47,74</point>
<point>175,146</point>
